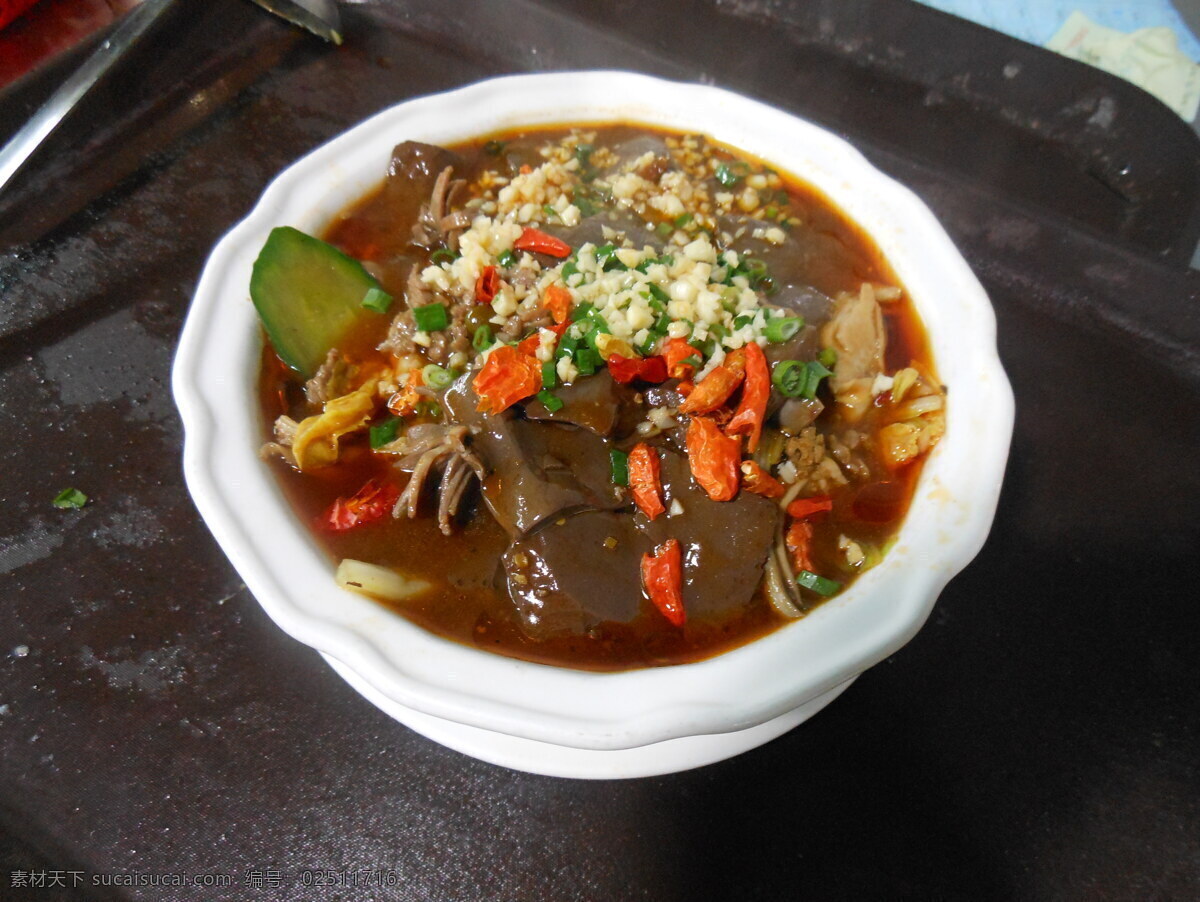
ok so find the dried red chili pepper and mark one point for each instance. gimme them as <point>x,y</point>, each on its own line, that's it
<point>713,457</point>
<point>676,352</point>
<point>626,369</point>
<point>540,243</point>
<point>529,344</point>
<point>370,503</point>
<point>662,577</point>
<point>802,508</point>
<point>557,300</point>
<point>752,409</point>
<point>644,480</point>
<point>799,545</point>
<point>487,285</point>
<point>757,480</point>
<point>714,389</point>
<point>507,377</point>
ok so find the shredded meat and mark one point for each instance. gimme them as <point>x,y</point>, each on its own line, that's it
<point>523,278</point>
<point>275,449</point>
<point>849,461</point>
<point>523,321</point>
<point>453,224</point>
<point>436,446</point>
<point>816,470</point>
<point>435,224</point>
<point>454,338</point>
<point>403,327</point>
<point>328,381</point>
<point>285,430</point>
<point>285,433</point>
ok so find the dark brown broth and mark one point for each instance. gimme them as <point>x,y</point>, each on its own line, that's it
<point>465,606</point>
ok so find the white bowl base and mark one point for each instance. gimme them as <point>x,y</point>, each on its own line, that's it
<point>551,760</point>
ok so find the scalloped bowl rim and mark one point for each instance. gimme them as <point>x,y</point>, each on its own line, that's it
<point>215,370</point>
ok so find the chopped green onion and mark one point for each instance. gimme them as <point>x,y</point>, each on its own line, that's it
<point>816,372</point>
<point>549,374</point>
<point>506,258</point>
<point>619,464</point>
<point>567,345</point>
<point>828,356</point>
<point>436,377</point>
<point>429,408</point>
<point>719,330</point>
<point>799,380</point>
<point>570,267</point>
<point>431,317</point>
<point>494,148</point>
<point>552,401</point>
<point>583,153</point>
<point>658,294</point>
<point>483,339</point>
<point>598,327</point>
<point>667,259</point>
<point>385,432</point>
<point>790,377</point>
<point>818,584</point>
<point>587,361</point>
<point>580,311</point>
<point>443,255</point>
<point>683,219</point>
<point>744,320</point>
<point>606,256</point>
<point>70,499</point>
<point>781,328</point>
<point>377,299</point>
<point>550,211</point>
<point>691,360</point>
<point>663,229</point>
<point>585,204</point>
<point>726,176</point>
<point>756,270</point>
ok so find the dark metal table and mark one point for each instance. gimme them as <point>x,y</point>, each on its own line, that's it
<point>1040,739</point>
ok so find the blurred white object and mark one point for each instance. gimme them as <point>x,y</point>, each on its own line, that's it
<point>1149,58</point>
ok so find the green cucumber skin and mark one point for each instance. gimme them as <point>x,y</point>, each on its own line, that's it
<point>307,294</point>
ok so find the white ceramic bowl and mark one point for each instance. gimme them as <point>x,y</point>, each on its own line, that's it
<point>588,716</point>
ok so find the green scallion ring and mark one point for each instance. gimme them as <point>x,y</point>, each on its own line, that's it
<point>782,328</point>
<point>790,377</point>
<point>437,377</point>
<point>483,339</point>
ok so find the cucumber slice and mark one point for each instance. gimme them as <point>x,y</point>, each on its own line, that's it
<point>307,294</point>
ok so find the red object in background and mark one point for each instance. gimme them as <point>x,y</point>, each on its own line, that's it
<point>49,27</point>
<point>10,9</point>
